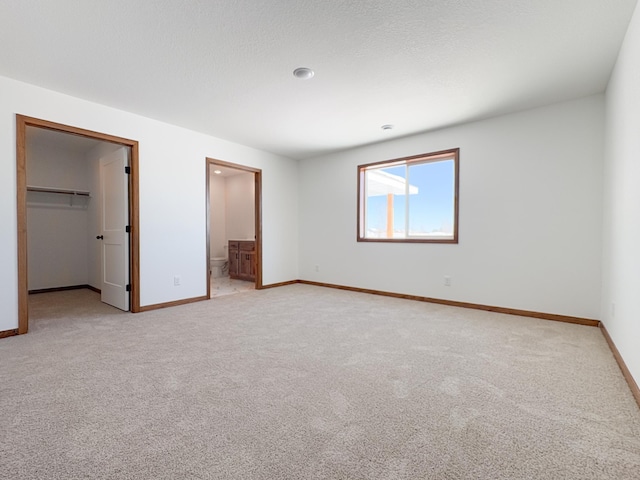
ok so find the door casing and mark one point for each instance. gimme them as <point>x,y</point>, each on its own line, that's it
<point>22,122</point>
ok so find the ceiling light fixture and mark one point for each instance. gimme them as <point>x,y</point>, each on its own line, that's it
<point>387,127</point>
<point>217,172</point>
<point>303,73</point>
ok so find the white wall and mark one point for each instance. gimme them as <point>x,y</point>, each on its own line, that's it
<point>240,207</point>
<point>172,195</point>
<point>621,276</point>
<point>530,215</point>
<point>57,224</point>
<point>217,209</point>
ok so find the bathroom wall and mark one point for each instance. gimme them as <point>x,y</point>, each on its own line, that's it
<point>240,202</point>
<point>232,209</point>
<point>217,209</point>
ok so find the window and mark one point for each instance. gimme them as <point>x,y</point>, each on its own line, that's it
<point>412,199</point>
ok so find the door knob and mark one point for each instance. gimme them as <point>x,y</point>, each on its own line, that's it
<point>100,237</point>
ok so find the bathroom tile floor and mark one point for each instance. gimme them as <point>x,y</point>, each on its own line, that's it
<point>229,286</point>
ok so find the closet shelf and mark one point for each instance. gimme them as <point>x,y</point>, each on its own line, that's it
<point>64,191</point>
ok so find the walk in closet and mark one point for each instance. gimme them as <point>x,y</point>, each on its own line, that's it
<point>63,196</point>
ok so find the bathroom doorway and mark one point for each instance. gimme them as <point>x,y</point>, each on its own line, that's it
<point>233,227</point>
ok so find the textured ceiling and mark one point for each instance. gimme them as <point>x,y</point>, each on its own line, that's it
<point>225,67</point>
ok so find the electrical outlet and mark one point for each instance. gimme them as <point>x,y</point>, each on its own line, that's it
<point>176,281</point>
<point>317,268</point>
<point>447,281</point>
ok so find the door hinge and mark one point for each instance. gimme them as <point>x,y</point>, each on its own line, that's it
<point>127,170</point>
<point>128,288</point>
<point>127,229</point>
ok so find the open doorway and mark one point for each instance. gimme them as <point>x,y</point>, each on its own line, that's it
<point>117,231</point>
<point>234,227</point>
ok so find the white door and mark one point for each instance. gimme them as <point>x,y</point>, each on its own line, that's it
<point>114,187</point>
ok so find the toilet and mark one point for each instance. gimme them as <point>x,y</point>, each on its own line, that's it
<point>219,267</point>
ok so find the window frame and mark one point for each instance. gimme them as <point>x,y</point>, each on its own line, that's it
<point>450,154</point>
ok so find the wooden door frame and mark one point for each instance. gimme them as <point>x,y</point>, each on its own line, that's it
<point>22,122</point>
<point>257,176</point>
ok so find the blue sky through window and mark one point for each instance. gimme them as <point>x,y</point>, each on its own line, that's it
<point>431,210</point>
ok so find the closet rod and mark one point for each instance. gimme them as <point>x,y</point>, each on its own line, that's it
<point>58,190</point>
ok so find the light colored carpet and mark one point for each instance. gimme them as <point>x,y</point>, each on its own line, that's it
<point>303,382</point>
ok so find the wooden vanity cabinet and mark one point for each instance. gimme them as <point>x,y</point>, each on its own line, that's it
<point>242,259</point>
<point>234,259</point>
